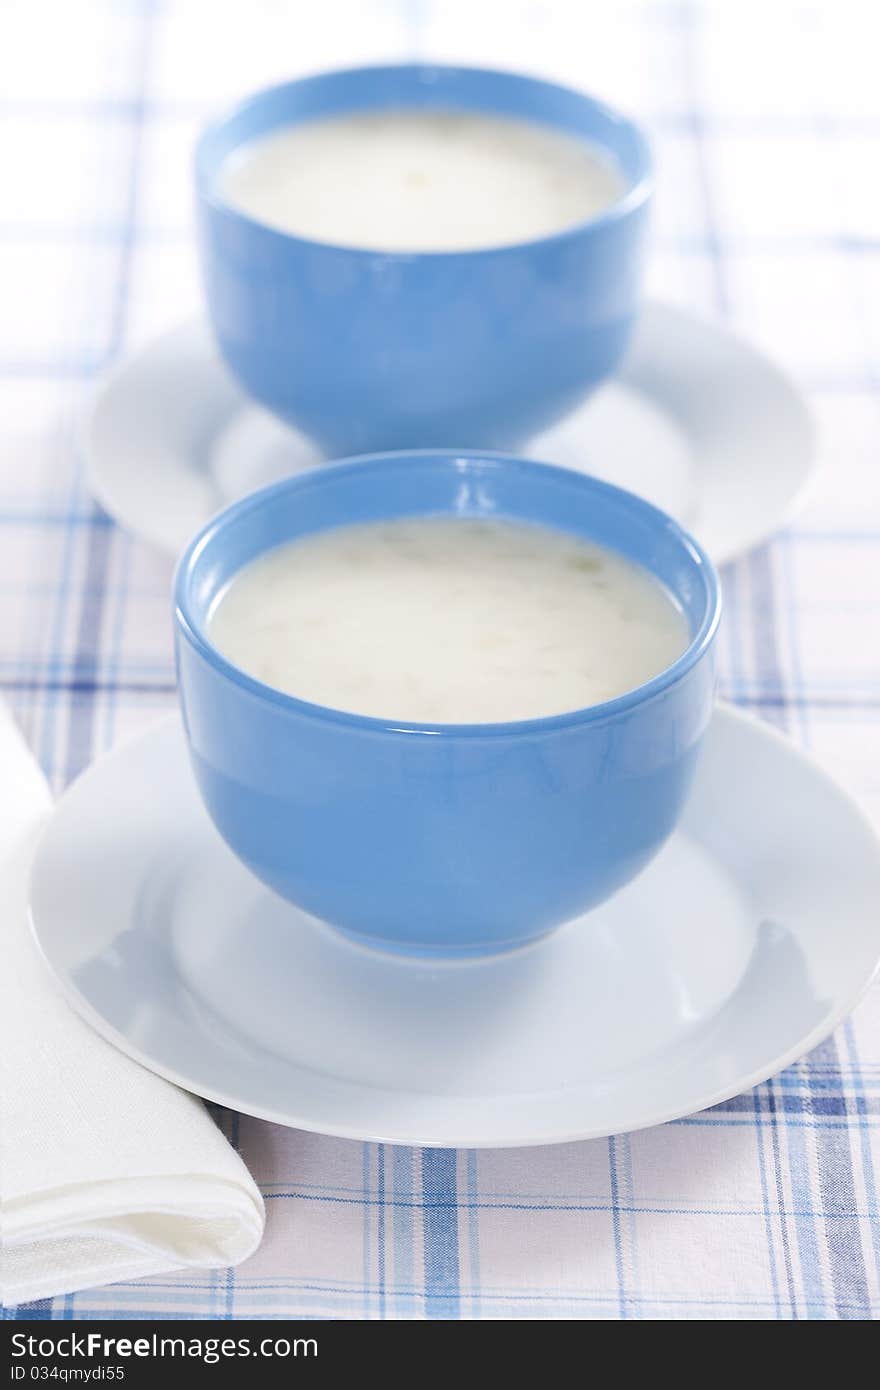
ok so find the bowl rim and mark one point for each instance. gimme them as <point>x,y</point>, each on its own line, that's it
<point>190,628</point>
<point>635,194</point>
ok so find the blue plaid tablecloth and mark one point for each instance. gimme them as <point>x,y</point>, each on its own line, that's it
<point>766,120</point>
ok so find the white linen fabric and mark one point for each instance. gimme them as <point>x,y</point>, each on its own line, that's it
<point>107,1172</point>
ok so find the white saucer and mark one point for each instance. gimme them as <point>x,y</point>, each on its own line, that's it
<point>698,422</point>
<point>739,949</point>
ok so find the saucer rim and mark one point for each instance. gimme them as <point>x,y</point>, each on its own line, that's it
<point>772,1067</point>
<point>100,477</point>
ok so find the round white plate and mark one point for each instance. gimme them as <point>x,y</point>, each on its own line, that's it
<point>698,422</point>
<point>737,950</point>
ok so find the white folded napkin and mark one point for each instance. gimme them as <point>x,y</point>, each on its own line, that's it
<point>107,1172</point>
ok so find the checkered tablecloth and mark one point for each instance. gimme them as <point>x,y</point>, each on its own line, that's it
<point>766,120</point>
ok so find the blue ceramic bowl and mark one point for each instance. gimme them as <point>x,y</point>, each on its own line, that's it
<point>367,350</point>
<point>457,838</point>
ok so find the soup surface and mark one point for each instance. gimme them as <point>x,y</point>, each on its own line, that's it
<point>447,620</point>
<point>412,180</point>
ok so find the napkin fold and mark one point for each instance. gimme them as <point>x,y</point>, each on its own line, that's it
<point>107,1172</point>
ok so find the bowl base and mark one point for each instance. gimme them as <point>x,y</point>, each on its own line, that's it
<point>439,955</point>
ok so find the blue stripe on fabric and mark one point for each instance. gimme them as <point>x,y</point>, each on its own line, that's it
<point>402,1221</point>
<point>367,1202</point>
<point>40,1311</point>
<point>71,518</point>
<point>870,1180</point>
<point>114,659</point>
<point>842,1227</point>
<point>780,1203</point>
<point>630,1212</point>
<point>169,1287</point>
<point>833,1145</point>
<point>80,734</point>
<point>615,1227</point>
<point>46,748</point>
<point>80,726</point>
<point>804,1219</point>
<point>536,1205</point>
<point>767,1214</point>
<point>473,1188</point>
<point>690,34</point>
<point>315,1295</point>
<point>380,1226</point>
<point>440,1225</point>
<point>235,1140</point>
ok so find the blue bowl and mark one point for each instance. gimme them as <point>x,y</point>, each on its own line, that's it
<point>458,838</point>
<point>369,350</point>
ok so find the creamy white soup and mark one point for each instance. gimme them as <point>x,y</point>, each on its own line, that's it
<point>447,620</point>
<point>412,180</point>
